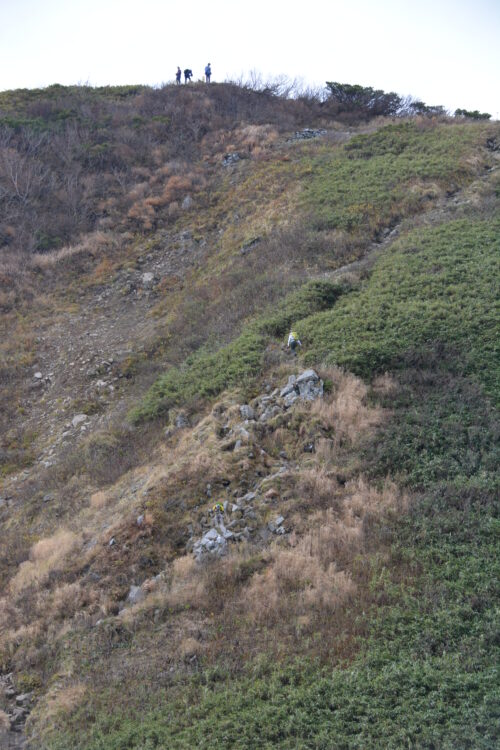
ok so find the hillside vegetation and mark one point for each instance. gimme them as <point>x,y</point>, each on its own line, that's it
<point>156,247</point>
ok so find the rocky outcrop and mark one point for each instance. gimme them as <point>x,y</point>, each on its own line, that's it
<point>15,707</point>
<point>214,530</point>
<point>306,134</point>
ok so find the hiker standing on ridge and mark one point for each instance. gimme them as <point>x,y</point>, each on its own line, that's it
<point>293,342</point>
<point>188,74</point>
<point>208,72</point>
<point>178,76</point>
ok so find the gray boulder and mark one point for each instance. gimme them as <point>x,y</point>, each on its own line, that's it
<point>291,398</point>
<point>147,279</point>
<point>247,412</point>
<point>181,421</point>
<point>135,595</point>
<point>289,387</point>
<point>213,543</point>
<point>309,385</point>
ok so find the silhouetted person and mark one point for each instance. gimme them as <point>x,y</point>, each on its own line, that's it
<point>208,72</point>
<point>178,76</point>
<point>188,74</point>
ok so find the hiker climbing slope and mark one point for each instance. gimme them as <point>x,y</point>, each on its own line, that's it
<point>188,74</point>
<point>293,341</point>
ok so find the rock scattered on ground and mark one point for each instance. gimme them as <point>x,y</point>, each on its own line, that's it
<point>230,159</point>
<point>306,134</point>
<point>17,707</point>
<point>244,519</point>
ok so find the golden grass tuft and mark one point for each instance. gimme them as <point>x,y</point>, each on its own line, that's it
<point>99,500</point>
<point>187,585</point>
<point>296,583</point>
<point>4,721</point>
<point>64,601</point>
<point>93,243</point>
<point>190,647</point>
<point>64,700</point>
<point>345,410</point>
<point>46,556</point>
<point>318,487</point>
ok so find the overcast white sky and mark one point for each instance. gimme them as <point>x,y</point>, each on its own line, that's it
<point>441,51</point>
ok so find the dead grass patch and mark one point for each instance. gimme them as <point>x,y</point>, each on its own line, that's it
<point>318,487</point>
<point>46,556</point>
<point>4,721</point>
<point>99,500</point>
<point>92,244</point>
<point>298,581</point>
<point>187,586</point>
<point>345,411</point>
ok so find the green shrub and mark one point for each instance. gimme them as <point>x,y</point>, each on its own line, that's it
<point>313,296</point>
<point>203,375</point>
<point>435,285</point>
<point>378,178</point>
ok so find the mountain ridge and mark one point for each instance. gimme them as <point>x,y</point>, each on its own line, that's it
<point>133,347</point>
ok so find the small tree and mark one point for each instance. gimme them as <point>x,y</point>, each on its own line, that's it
<point>363,100</point>
<point>472,115</point>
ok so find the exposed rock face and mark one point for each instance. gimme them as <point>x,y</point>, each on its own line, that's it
<point>147,280</point>
<point>247,412</point>
<point>230,159</point>
<point>306,386</point>
<point>306,134</point>
<point>309,385</point>
<point>213,543</point>
<point>181,420</point>
<point>245,519</point>
<point>17,708</point>
<point>135,595</point>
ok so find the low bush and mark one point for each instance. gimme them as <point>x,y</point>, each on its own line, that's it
<point>369,184</point>
<point>433,286</point>
<point>203,375</point>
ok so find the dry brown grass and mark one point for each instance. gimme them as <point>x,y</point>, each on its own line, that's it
<point>318,487</point>
<point>94,244</point>
<point>63,700</point>
<point>46,556</point>
<point>187,584</point>
<point>64,601</point>
<point>345,411</point>
<point>298,581</point>
<point>99,500</point>
<point>190,647</point>
<point>57,705</point>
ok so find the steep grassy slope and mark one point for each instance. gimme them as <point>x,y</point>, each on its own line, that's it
<point>371,622</point>
<point>426,674</point>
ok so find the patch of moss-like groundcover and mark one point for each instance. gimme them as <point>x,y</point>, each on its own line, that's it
<point>207,373</point>
<point>435,285</point>
<point>380,177</point>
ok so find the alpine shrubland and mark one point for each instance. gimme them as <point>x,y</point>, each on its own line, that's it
<point>156,246</point>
